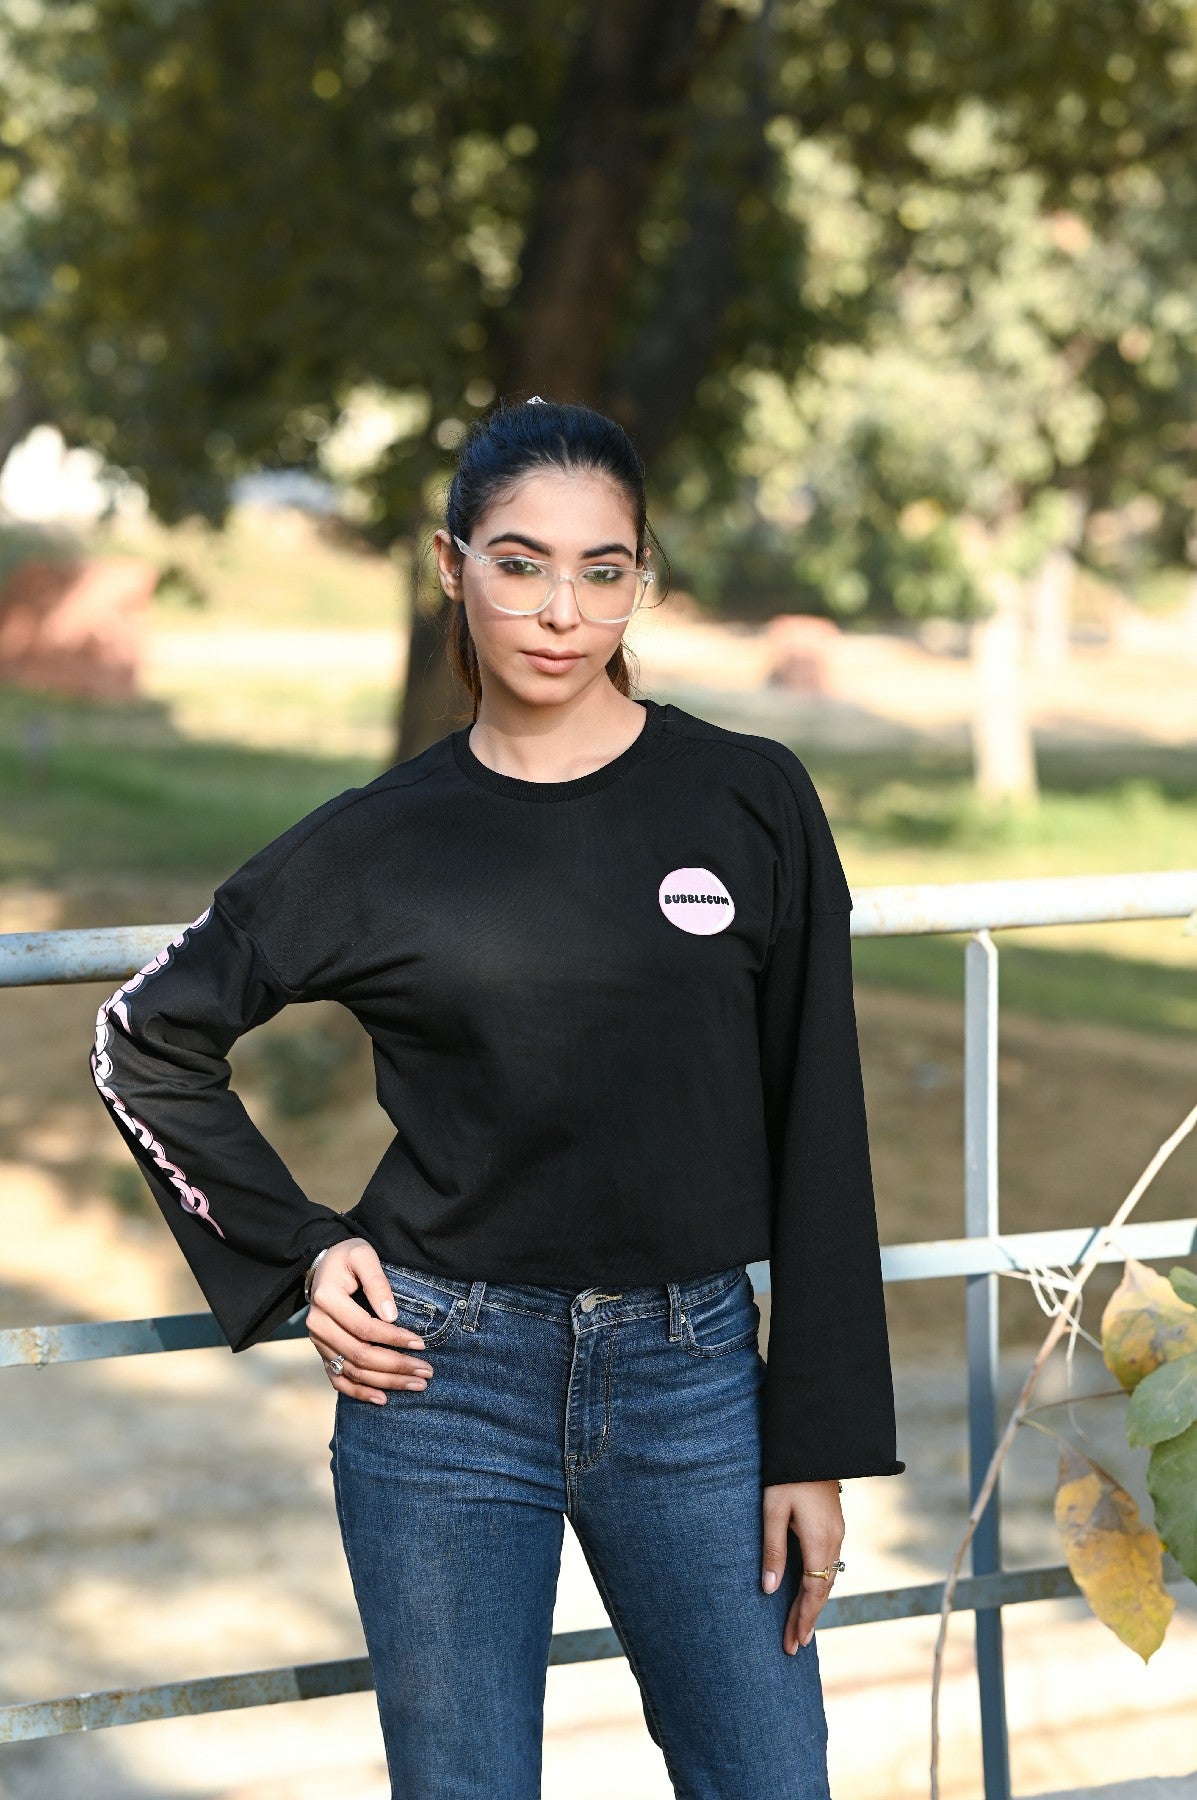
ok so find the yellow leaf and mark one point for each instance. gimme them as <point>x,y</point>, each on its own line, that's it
<point>1116,1560</point>
<point>1145,1323</point>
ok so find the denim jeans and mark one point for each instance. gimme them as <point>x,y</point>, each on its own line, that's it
<point>636,1414</point>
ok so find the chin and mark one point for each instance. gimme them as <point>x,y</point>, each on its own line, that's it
<point>536,688</point>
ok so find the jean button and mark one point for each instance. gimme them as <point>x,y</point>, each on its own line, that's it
<point>588,1303</point>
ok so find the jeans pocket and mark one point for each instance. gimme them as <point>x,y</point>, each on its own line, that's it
<point>728,1319</point>
<point>423,1307</point>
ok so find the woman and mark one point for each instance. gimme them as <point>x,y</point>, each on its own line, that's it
<point>602,949</point>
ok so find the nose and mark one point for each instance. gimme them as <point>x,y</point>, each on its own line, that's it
<point>560,610</point>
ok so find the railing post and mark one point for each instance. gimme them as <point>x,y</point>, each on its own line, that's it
<point>981,1328</point>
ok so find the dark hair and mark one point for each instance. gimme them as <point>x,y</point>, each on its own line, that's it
<point>513,441</point>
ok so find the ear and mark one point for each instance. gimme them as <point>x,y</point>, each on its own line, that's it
<point>448,562</point>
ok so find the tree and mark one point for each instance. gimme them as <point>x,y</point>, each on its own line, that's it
<point>240,224</point>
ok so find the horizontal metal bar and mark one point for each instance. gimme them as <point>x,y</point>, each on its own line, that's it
<point>175,1699</point>
<point>110,953</point>
<point>95,953</point>
<point>96,1340</point>
<point>1030,1249</point>
<point>996,905</point>
<point>317,1681</point>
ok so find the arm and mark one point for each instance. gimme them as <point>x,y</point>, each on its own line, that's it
<point>828,1400</point>
<point>160,1065</point>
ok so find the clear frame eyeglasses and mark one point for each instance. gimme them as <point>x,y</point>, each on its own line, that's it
<point>606,593</point>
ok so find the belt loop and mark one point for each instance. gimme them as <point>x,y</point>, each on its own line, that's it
<point>473,1306</point>
<point>675,1310</point>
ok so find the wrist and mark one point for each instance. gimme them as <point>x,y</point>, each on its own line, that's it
<point>311,1272</point>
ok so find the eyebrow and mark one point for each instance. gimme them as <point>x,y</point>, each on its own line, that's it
<point>517,537</point>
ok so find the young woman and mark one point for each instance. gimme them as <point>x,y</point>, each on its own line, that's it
<point>601,947</point>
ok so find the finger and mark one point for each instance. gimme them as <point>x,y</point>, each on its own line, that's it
<point>386,1368</point>
<point>367,1355</point>
<point>804,1613</point>
<point>338,1305</point>
<point>371,1276</point>
<point>365,1384</point>
<point>356,1390</point>
<point>775,1542</point>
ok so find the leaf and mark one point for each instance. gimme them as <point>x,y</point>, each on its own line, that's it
<point>1185,1283</point>
<point>1116,1560</point>
<point>1172,1484</point>
<point>1145,1323</point>
<point>1164,1403</point>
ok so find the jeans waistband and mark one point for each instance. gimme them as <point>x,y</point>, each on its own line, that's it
<point>599,1305</point>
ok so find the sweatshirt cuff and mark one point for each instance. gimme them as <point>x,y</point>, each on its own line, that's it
<point>773,1475</point>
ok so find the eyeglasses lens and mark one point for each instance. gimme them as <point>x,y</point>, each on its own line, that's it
<point>606,591</point>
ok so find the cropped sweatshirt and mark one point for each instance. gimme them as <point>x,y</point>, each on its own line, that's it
<point>613,1027</point>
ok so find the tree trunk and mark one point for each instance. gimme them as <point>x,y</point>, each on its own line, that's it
<point>432,700</point>
<point>1050,597</point>
<point>1051,588</point>
<point>1003,746</point>
<point>623,110</point>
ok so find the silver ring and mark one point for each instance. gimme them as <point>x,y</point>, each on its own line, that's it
<point>334,1364</point>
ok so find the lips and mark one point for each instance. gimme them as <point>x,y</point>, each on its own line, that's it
<point>557,659</point>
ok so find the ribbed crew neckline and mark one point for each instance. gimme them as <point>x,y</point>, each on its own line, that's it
<point>516,788</point>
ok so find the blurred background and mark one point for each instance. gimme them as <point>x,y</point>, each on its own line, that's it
<point>899,302</point>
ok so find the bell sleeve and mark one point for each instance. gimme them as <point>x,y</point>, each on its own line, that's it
<point>159,1063</point>
<point>828,1391</point>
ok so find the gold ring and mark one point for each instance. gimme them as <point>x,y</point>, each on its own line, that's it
<point>826,1574</point>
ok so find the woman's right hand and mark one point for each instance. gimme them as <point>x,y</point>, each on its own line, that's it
<point>339,1326</point>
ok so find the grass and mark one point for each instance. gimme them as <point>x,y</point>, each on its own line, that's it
<point>178,807</point>
<point>1052,984</point>
<point>217,759</point>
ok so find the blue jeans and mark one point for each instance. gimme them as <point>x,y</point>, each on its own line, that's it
<point>638,1416</point>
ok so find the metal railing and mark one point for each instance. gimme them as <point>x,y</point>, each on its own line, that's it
<point>980,1256</point>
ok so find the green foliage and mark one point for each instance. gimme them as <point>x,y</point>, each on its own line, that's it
<point>1165,1402</point>
<point>960,280</point>
<point>1149,1341</point>
<point>1172,1484</point>
<point>1185,1283</point>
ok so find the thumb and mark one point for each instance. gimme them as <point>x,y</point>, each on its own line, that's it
<point>775,1544</point>
<point>371,1278</point>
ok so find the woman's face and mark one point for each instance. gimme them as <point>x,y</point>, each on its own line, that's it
<point>569,521</point>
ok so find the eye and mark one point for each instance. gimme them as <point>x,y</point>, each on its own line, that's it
<point>518,565</point>
<point>604,574</point>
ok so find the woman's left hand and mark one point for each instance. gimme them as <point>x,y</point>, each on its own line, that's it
<point>813,1509</point>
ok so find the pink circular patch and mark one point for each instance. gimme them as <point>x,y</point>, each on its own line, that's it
<point>696,901</point>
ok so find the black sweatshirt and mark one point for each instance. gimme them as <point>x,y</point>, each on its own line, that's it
<point>613,1026</point>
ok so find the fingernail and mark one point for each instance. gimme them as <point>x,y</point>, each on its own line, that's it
<point>379,1399</point>
<point>416,1344</point>
<point>421,1369</point>
<point>389,1310</point>
<point>769,1580</point>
